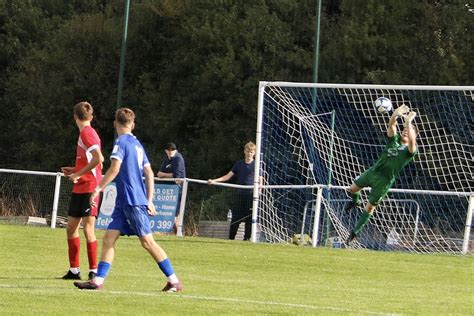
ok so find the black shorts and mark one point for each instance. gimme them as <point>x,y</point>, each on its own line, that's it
<point>79,206</point>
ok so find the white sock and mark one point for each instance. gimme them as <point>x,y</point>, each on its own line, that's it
<point>173,279</point>
<point>93,270</point>
<point>98,280</point>
<point>75,270</point>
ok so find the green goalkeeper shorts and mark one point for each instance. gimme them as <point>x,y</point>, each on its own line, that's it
<point>379,185</point>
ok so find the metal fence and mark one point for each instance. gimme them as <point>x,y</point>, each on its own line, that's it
<point>47,195</point>
<point>34,193</point>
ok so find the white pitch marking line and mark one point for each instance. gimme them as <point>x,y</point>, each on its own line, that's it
<point>205,298</point>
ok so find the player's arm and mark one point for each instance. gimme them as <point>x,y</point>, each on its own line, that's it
<point>224,178</point>
<point>97,158</point>
<point>106,179</point>
<point>411,132</point>
<point>67,170</point>
<point>392,123</point>
<point>150,185</point>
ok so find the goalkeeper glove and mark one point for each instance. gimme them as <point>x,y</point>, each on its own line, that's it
<point>409,118</point>
<point>401,110</point>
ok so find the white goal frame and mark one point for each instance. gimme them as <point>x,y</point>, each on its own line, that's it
<point>258,170</point>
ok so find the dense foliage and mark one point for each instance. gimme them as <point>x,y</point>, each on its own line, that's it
<point>193,67</point>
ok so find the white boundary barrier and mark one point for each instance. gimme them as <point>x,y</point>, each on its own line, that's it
<point>256,187</point>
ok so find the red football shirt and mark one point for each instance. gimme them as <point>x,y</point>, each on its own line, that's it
<point>87,142</point>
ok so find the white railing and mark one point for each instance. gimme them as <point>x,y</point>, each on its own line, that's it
<point>60,190</point>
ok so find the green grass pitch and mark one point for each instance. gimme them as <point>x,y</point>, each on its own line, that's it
<point>222,277</point>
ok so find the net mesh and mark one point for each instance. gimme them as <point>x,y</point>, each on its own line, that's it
<point>330,135</point>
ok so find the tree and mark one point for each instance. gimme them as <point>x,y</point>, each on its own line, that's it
<point>201,91</point>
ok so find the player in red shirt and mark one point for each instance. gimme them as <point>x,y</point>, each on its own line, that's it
<point>86,175</point>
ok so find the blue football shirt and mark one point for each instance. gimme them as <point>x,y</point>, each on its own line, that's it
<point>129,181</point>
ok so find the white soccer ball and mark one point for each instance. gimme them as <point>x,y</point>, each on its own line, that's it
<point>383,105</point>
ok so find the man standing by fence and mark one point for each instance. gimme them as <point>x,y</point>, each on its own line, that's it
<point>173,166</point>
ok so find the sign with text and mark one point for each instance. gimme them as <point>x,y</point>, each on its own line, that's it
<point>165,199</point>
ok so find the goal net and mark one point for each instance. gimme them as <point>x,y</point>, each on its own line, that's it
<point>324,135</point>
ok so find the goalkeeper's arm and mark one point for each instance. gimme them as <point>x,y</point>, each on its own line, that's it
<point>392,124</point>
<point>411,131</point>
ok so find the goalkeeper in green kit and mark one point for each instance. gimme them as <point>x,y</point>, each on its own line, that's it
<point>398,152</point>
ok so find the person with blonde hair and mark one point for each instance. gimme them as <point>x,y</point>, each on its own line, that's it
<point>243,172</point>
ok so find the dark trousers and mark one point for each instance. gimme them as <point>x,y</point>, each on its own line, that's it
<point>242,212</point>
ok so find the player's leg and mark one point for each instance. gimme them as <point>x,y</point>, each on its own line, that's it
<point>140,224</point>
<point>380,188</point>
<point>107,255</point>
<point>89,232</point>
<point>159,255</point>
<point>117,226</point>
<point>354,193</point>
<point>106,259</point>
<point>363,219</point>
<point>77,207</point>
<point>74,247</point>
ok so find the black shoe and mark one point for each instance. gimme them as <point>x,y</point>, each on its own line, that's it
<point>72,276</point>
<point>89,285</point>
<point>351,237</point>
<point>350,205</point>
<point>92,275</point>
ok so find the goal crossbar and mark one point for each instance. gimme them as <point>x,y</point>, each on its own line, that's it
<point>316,138</point>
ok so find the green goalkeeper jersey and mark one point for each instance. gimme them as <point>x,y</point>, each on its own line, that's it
<point>394,157</point>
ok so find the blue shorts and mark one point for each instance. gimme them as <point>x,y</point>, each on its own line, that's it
<point>131,220</point>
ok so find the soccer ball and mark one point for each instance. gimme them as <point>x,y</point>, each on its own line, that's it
<point>383,105</point>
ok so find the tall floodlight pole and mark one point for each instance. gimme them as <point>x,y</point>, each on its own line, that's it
<point>122,54</point>
<point>316,43</point>
<point>325,220</point>
<point>316,53</point>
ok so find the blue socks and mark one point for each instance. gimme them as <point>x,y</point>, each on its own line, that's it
<point>166,267</point>
<point>103,269</point>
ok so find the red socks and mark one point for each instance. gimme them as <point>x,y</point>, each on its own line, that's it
<point>92,254</point>
<point>74,246</point>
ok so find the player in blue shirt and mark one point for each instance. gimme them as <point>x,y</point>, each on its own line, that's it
<point>133,203</point>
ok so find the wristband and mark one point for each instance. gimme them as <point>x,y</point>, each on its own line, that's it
<point>97,189</point>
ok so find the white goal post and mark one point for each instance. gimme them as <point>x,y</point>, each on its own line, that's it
<point>314,139</point>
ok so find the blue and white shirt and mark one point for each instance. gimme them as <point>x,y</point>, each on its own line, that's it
<point>131,188</point>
